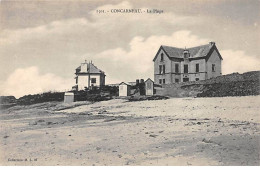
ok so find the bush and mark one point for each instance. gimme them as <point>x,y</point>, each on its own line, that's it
<point>96,94</point>
<point>40,98</point>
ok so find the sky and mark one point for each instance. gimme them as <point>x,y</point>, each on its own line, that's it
<point>43,42</point>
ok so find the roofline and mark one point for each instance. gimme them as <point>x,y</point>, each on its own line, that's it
<point>195,58</point>
<point>83,73</point>
<point>218,52</point>
<point>96,67</point>
<point>124,83</point>
<point>79,67</point>
<point>157,53</point>
<point>161,47</point>
<point>148,79</point>
<point>214,47</point>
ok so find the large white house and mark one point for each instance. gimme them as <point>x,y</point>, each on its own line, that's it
<point>173,65</point>
<point>88,75</point>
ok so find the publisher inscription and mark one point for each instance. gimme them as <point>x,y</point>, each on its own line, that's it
<point>21,159</point>
<point>130,11</point>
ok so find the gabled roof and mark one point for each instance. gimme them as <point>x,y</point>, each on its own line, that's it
<point>124,83</point>
<point>148,79</point>
<point>195,52</point>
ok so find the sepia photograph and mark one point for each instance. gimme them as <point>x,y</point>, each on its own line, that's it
<point>129,83</point>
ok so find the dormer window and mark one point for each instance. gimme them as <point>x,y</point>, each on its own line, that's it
<point>186,54</point>
<point>162,57</point>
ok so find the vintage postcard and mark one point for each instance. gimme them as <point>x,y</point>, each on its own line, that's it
<point>129,83</point>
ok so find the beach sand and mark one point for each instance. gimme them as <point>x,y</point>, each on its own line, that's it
<point>177,131</point>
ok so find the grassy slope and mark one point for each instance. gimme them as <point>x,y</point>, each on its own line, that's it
<point>228,85</point>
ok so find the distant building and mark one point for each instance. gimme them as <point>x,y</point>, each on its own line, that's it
<point>88,75</point>
<point>124,89</point>
<point>173,65</point>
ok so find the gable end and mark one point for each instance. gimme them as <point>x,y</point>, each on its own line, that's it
<point>211,51</point>
<point>161,48</point>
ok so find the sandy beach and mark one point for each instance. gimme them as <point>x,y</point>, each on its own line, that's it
<point>177,131</point>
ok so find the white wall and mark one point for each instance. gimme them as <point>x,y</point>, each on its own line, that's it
<point>214,59</point>
<point>82,82</point>
<point>202,69</point>
<point>69,99</point>
<point>123,90</point>
<point>192,75</point>
<point>149,87</point>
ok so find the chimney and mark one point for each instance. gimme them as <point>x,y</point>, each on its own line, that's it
<point>212,43</point>
<point>137,81</point>
<point>84,67</point>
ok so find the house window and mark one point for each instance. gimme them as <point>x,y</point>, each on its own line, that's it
<point>186,68</point>
<point>162,57</point>
<point>176,68</point>
<point>93,80</point>
<point>163,81</point>
<point>213,68</point>
<point>160,81</point>
<point>197,79</point>
<point>176,80</point>
<point>163,69</point>
<point>160,69</point>
<point>197,68</point>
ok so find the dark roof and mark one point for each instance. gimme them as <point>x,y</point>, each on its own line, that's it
<point>92,69</point>
<point>173,52</point>
<point>195,52</point>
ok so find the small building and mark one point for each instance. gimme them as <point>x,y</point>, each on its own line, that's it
<point>88,75</point>
<point>68,97</point>
<point>149,87</point>
<point>124,89</point>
